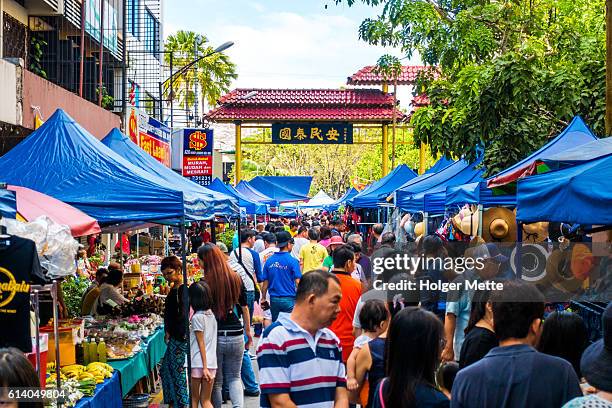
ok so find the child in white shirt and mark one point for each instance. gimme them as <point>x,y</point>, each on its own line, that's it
<point>203,342</point>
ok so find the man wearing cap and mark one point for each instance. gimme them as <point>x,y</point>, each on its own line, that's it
<point>280,276</point>
<point>458,305</point>
<point>596,367</point>
<point>515,374</point>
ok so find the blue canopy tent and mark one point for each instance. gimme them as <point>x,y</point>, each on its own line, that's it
<point>63,160</point>
<point>123,146</point>
<point>253,195</point>
<point>575,134</point>
<point>426,182</point>
<point>431,200</point>
<point>579,194</point>
<point>252,207</point>
<point>439,165</point>
<point>285,214</point>
<point>321,200</point>
<point>8,204</point>
<point>283,188</point>
<point>379,190</point>
<point>477,193</point>
<point>350,193</point>
<point>586,152</point>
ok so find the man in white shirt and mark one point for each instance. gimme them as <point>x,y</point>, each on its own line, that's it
<point>300,240</point>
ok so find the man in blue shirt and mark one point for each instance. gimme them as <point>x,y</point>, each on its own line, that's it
<point>280,276</point>
<point>515,374</point>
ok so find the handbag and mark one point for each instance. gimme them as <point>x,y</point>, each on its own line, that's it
<point>246,271</point>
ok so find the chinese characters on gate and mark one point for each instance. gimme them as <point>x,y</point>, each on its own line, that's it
<point>319,133</point>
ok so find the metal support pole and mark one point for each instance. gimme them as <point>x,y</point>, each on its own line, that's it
<point>100,84</point>
<point>238,155</point>
<point>186,300</point>
<point>37,330</point>
<point>480,213</point>
<point>518,262</point>
<point>54,294</point>
<point>425,222</point>
<point>124,70</point>
<point>137,245</point>
<point>82,46</point>
<point>171,94</point>
<point>385,150</point>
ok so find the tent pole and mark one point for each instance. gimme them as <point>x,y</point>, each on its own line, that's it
<point>137,245</point>
<point>519,246</point>
<point>213,231</point>
<point>480,212</point>
<point>186,301</point>
<point>425,222</point>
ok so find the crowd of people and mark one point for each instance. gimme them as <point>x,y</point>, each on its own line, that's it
<point>331,340</point>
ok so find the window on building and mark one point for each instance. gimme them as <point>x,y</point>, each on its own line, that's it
<point>133,17</point>
<point>151,32</point>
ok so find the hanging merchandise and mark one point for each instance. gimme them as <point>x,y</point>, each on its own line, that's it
<point>56,246</point>
<point>19,267</point>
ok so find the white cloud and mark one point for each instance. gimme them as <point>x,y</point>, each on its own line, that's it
<point>275,48</point>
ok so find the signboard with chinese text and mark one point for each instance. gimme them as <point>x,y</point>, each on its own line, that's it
<point>198,155</point>
<point>316,133</point>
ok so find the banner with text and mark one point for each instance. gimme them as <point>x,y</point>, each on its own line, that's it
<point>314,133</point>
<point>198,155</point>
<point>154,138</point>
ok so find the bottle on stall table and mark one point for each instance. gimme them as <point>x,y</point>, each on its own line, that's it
<point>102,351</point>
<point>93,350</point>
<point>80,357</point>
<point>85,351</point>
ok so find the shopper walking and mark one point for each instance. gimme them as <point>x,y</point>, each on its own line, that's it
<point>229,302</point>
<point>173,376</point>
<point>299,358</point>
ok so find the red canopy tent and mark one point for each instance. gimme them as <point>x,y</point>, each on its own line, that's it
<point>32,204</point>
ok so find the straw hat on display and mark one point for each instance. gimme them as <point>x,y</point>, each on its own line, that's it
<point>562,269</point>
<point>419,229</point>
<point>498,225</point>
<point>466,221</point>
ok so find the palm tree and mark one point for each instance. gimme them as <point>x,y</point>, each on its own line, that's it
<point>212,75</point>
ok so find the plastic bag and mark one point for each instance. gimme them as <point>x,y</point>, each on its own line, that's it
<point>56,247</point>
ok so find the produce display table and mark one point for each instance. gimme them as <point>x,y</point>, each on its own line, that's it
<point>142,363</point>
<point>108,395</point>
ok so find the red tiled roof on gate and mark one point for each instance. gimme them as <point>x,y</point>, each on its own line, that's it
<point>420,100</point>
<point>269,105</point>
<point>367,76</point>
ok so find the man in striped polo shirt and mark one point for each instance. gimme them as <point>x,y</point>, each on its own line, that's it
<point>300,360</point>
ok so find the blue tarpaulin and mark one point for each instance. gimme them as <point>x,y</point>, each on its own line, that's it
<point>253,195</point>
<point>252,207</point>
<point>63,160</point>
<point>575,134</point>
<point>579,194</point>
<point>350,193</point>
<point>418,200</point>
<point>8,204</point>
<point>588,151</point>
<point>124,147</point>
<point>477,193</point>
<point>379,190</point>
<point>283,188</point>
<point>439,165</point>
<point>426,182</point>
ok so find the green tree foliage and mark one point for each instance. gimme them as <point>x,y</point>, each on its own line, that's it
<point>214,74</point>
<point>333,167</point>
<point>511,73</point>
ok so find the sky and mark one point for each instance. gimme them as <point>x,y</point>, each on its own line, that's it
<point>284,43</point>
